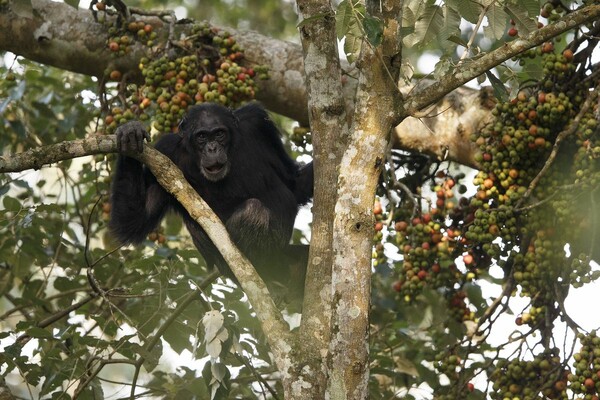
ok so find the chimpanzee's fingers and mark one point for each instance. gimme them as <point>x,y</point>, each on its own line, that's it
<point>130,137</point>
<point>140,134</point>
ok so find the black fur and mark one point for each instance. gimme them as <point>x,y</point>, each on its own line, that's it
<point>257,199</point>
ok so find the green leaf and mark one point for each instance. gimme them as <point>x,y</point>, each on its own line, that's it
<point>49,208</point>
<point>343,17</point>
<point>497,19</point>
<point>468,9</point>
<point>523,21</point>
<point>408,20</point>
<point>39,333</point>
<point>11,204</point>
<point>427,27</point>
<point>352,45</point>
<point>63,283</point>
<point>475,296</point>
<point>499,89</point>
<point>458,40</point>
<point>93,391</point>
<point>151,357</point>
<point>416,7</point>
<point>531,70</point>
<point>451,22</point>
<point>532,7</point>
<point>178,337</point>
<point>374,30</point>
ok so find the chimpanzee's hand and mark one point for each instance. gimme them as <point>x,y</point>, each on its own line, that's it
<point>130,137</point>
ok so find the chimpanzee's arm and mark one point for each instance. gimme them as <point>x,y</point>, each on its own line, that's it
<point>138,202</point>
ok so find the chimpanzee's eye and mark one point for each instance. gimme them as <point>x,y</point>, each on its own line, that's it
<point>221,135</point>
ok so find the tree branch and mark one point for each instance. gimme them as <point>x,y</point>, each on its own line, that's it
<point>462,74</point>
<point>68,38</point>
<point>327,111</point>
<point>377,102</point>
<point>171,178</point>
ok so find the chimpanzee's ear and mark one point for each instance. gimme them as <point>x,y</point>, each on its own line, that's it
<point>181,126</point>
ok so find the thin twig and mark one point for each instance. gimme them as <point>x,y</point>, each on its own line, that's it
<point>482,15</point>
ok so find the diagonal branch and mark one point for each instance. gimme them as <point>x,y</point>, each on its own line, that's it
<point>171,178</point>
<point>467,71</point>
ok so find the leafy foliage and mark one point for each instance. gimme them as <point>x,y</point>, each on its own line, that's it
<point>73,301</point>
<point>538,171</point>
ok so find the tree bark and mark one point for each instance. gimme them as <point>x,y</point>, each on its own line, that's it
<point>327,117</point>
<point>360,168</point>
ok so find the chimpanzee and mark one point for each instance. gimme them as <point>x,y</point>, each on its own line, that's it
<point>236,162</point>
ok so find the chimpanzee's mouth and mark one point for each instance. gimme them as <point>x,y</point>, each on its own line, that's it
<point>215,168</point>
<point>216,171</point>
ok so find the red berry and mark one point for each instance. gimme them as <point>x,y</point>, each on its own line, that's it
<point>401,226</point>
<point>513,32</point>
<point>533,129</point>
<point>541,97</point>
<point>568,54</point>
<point>115,75</point>
<point>377,208</point>
<point>548,47</point>
<point>468,259</point>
